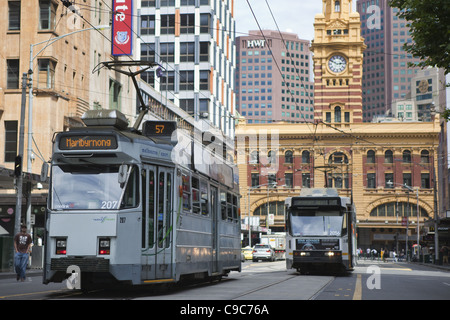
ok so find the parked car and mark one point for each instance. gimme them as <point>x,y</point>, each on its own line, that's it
<point>263,252</point>
<point>248,253</point>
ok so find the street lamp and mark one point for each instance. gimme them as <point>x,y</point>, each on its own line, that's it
<point>418,211</point>
<point>273,184</point>
<point>30,122</point>
<point>409,189</point>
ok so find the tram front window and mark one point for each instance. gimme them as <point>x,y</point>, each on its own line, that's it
<point>92,187</point>
<point>316,225</point>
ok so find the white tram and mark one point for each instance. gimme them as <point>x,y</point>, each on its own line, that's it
<point>321,231</point>
<point>124,206</point>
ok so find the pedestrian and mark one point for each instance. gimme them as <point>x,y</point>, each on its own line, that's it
<point>382,254</point>
<point>22,245</point>
<point>445,255</point>
<point>368,253</point>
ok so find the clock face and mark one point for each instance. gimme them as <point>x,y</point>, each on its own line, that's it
<point>337,63</point>
<point>423,86</point>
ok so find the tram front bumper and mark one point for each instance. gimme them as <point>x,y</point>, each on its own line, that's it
<point>318,256</point>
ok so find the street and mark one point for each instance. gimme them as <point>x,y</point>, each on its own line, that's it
<point>266,282</point>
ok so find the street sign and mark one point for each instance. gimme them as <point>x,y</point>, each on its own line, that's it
<point>404,221</point>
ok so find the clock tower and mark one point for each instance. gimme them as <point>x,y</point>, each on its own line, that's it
<point>338,56</point>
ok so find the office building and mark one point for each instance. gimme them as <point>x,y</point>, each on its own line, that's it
<point>273,78</point>
<point>193,41</point>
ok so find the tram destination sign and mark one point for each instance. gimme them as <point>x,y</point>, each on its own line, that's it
<point>88,142</point>
<point>315,202</point>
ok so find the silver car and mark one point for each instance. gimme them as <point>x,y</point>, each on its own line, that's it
<point>263,252</point>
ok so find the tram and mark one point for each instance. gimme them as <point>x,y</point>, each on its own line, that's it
<point>321,231</point>
<point>125,207</point>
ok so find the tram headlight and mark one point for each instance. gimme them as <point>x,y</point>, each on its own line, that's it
<point>305,254</point>
<point>329,253</point>
<point>61,245</point>
<point>104,246</point>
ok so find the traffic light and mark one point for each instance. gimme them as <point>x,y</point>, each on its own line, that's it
<point>18,166</point>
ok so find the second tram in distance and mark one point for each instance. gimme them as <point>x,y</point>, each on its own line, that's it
<point>320,231</point>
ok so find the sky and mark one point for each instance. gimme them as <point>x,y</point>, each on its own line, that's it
<point>296,16</point>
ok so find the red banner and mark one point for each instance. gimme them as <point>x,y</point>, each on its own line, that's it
<point>122,27</point>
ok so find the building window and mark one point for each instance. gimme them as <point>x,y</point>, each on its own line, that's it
<point>425,180</point>
<point>186,80</point>
<point>370,156</point>
<point>305,157</point>
<point>389,180</point>
<point>255,179</point>
<point>47,14</point>
<point>288,157</point>
<point>406,156</point>
<point>167,53</point>
<point>424,156</point>
<point>337,114</point>
<point>148,52</point>
<point>14,15</point>
<point>187,51</point>
<point>388,157</point>
<point>272,180</point>
<point>187,105</point>
<point>10,140</point>
<point>271,157</point>
<point>205,19</point>
<point>371,181</point>
<point>167,3</point>
<point>306,180</point>
<point>407,179</point>
<point>204,51</point>
<point>167,23</point>
<point>168,82</point>
<point>147,25</point>
<point>288,180</point>
<point>254,157</point>
<point>12,74</point>
<point>187,24</point>
<point>337,6</point>
<point>115,89</point>
<point>204,80</point>
<point>46,78</point>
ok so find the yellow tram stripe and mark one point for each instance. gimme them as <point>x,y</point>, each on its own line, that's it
<point>159,281</point>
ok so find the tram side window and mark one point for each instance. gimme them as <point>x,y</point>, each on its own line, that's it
<point>230,206</point>
<point>204,198</point>
<point>131,196</point>
<point>186,185</point>
<point>235,208</point>
<point>195,196</point>
<point>223,204</point>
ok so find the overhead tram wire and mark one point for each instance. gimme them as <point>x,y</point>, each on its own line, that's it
<point>275,60</point>
<point>68,4</point>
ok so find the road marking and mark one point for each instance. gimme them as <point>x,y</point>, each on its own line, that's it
<point>27,294</point>
<point>357,295</point>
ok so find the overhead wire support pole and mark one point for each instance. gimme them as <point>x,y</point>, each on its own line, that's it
<point>19,159</point>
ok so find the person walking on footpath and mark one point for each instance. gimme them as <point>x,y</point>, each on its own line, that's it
<point>22,244</point>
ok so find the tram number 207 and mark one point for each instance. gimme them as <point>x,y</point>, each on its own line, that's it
<point>246,309</point>
<point>108,205</point>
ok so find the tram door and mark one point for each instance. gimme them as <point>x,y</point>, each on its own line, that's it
<point>215,230</point>
<point>157,185</point>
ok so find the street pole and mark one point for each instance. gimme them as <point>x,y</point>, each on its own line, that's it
<point>19,177</point>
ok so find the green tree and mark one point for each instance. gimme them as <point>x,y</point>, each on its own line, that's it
<point>429,22</point>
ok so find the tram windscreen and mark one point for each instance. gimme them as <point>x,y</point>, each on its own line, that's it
<point>92,187</point>
<point>316,223</point>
